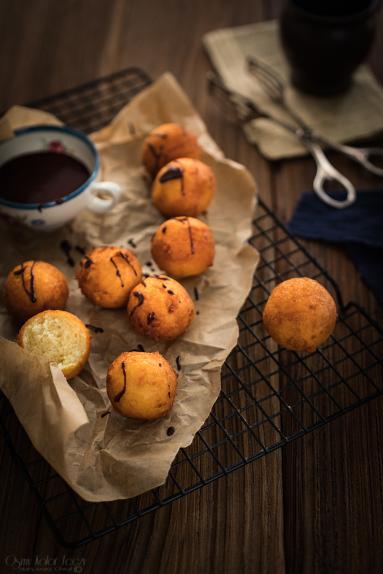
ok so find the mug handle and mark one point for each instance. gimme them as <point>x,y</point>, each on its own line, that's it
<point>99,204</point>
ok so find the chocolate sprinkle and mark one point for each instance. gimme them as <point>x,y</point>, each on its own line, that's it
<point>132,243</point>
<point>105,413</point>
<point>170,431</point>
<point>139,349</point>
<point>94,328</point>
<point>196,294</point>
<point>80,249</point>
<point>150,318</point>
<point>119,395</point>
<point>178,362</point>
<point>170,292</point>
<point>164,229</point>
<point>66,247</point>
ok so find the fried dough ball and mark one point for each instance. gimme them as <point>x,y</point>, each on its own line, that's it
<point>184,186</point>
<point>58,336</point>
<point>34,286</point>
<point>183,246</point>
<point>300,314</point>
<point>107,275</point>
<point>167,142</point>
<point>141,385</point>
<point>160,308</point>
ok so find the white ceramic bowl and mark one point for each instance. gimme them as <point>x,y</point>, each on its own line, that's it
<point>53,214</point>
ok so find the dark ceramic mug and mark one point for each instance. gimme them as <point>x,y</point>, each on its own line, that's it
<point>325,41</point>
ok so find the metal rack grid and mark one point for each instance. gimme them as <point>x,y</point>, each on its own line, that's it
<point>269,396</point>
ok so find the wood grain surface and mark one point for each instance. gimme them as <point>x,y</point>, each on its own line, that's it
<point>315,506</point>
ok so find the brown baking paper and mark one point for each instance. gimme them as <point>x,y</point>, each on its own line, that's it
<point>111,457</point>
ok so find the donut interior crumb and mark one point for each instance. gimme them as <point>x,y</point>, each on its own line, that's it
<point>56,339</point>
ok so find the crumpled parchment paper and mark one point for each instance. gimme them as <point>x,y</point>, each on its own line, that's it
<point>111,457</point>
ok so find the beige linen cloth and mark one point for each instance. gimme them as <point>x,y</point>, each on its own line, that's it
<point>356,114</point>
<point>111,457</point>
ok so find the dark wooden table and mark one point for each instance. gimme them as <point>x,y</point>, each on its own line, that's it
<point>317,504</point>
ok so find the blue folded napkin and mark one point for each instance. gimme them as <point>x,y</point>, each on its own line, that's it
<point>359,228</point>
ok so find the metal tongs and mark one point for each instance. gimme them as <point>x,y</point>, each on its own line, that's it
<point>247,110</point>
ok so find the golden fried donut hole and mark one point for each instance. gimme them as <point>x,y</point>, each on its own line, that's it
<point>300,314</point>
<point>167,142</point>
<point>107,275</point>
<point>34,286</point>
<point>141,385</point>
<point>183,246</point>
<point>160,308</point>
<point>58,336</point>
<point>184,186</point>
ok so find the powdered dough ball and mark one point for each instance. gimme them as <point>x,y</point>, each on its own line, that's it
<point>59,337</point>
<point>34,286</point>
<point>183,246</point>
<point>184,186</point>
<point>168,142</point>
<point>141,385</point>
<point>300,314</point>
<point>107,275</point>
<point>160,308</point>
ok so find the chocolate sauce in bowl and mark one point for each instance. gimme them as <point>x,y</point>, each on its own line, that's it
<point>41,177</point>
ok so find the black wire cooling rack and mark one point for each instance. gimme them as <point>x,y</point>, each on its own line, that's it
<point>269,396</point>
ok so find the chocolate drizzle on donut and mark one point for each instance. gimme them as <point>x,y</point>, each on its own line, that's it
<point>156,154</point>
<point>115,265</point>
<point>118,272</point>
<point>126,258</point>
<point>150,318</point>
<point>140,299</point>
<point>164,229</point>
<point>119,395</point>
<point>31,291</point>
<point>88,262</point>
<point>186,220</point>
<point>174,173</point>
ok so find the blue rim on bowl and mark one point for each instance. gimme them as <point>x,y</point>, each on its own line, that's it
<point>78,190</point>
